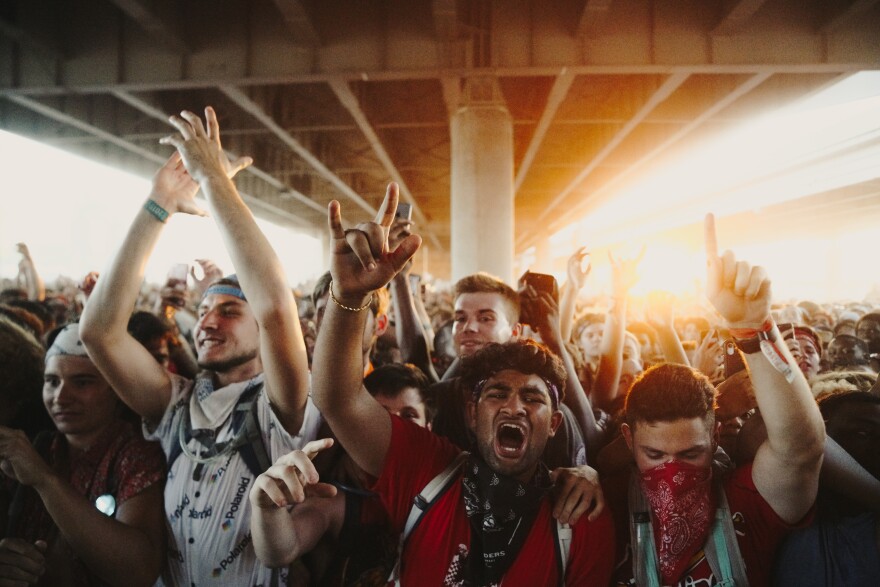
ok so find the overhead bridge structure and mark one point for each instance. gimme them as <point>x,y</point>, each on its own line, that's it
<point>502,120</point>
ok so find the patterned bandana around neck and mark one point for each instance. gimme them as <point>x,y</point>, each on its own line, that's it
<point>683,506</point>
<point>501,511</point>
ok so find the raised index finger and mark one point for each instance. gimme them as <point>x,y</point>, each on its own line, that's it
<point>710,237</point>
<point>385,216</point>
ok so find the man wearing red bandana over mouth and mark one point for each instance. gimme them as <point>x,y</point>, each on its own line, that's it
<point>690,524</point>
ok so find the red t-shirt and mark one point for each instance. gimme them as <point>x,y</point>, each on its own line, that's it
<point>437,546</point>
<point>759,531</point>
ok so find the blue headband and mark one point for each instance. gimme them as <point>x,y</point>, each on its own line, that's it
<point>227,289</point>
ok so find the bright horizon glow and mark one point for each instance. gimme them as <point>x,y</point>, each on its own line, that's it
<point>827,141</point>
<point>73,214</point>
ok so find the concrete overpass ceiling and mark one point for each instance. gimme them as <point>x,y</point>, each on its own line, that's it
<point>334,98</point>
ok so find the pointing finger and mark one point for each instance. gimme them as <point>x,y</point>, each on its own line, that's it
<point>314,447</point>
<point>710,237</point>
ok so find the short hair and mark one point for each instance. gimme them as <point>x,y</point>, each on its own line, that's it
<point>526,356</point>
<point>484,283</point>
<point>669,392</point>
<point>830,403</point>
<point>145,327</point>
<point>378,303</point>
<point>391,379</point>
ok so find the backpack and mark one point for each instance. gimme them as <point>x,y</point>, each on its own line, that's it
<point>248,442</point>
<point>435,489</point>
<point>721,549</point>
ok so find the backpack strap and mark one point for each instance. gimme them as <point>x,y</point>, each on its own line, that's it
<point>248,442</point>
<point>252,448</point>
<point>721,549</point>
<point>563,548</point>
<point>645,567</point>
<point>435,488</point>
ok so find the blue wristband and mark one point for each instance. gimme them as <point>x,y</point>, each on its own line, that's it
<point>160,213</point>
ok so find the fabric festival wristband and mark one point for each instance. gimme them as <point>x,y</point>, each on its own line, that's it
<point>764,341</point>
<point>160,213</point>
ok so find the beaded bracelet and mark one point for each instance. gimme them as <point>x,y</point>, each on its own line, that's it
<point>344,307</point>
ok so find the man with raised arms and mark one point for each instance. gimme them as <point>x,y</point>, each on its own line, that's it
<point>251,352</point>
<point>494,524</point>
<point>688,525</point>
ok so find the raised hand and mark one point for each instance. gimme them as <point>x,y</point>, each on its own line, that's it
<point>89,282</point>
<point>362,260</point>
<point>740,292</point>
<point>211,274</point>
<point>292,478</point>
<point>174,189</point>
<point>200,149</point>
<point>577,276</point>
<point>709,356</point>
<point>624,273</point>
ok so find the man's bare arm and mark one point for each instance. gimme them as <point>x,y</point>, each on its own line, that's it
<point>361,262</point>
<point>786,466</point>
<point>282,348</point>
<point>140,381</point>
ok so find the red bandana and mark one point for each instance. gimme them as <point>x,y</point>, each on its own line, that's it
<point>683,506</point>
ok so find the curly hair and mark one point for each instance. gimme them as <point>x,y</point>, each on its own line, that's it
<point>526,356</point>
<point>670,392</point>
<point>484,283</point>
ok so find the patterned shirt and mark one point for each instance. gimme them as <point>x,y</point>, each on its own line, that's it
<point>121,463</point>
<point>209,518</point>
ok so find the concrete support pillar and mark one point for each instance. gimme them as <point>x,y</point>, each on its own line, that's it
<point>482,182</point>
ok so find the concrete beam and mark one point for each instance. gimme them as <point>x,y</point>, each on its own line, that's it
<point>605,191</point>
<point>839,17</point>
<point>664,91</point>
<point>155,25</point>
<point>153,112</point>
<point>298,22</point>
<point>736,16</point>
<point>593,18</point>
<point>352,104</point>
<point>156,158</point>
<point>28,42</point>
<point>245,103</point>
<point>554,99</point>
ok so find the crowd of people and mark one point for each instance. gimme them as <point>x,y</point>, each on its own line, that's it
<point>229,430</point>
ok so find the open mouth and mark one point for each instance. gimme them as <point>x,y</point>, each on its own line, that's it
<point>510,440</point>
